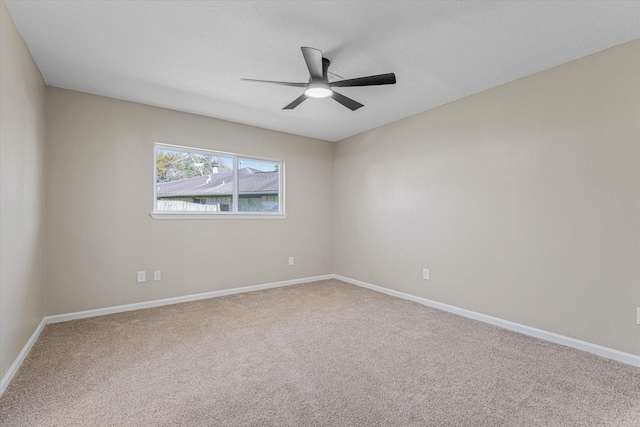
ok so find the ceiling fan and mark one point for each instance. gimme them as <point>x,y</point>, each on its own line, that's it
<point>319,85</point>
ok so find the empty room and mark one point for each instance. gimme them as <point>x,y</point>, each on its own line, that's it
<point>319,213</point>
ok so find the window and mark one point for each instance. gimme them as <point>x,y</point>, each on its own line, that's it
<point>202,183</point>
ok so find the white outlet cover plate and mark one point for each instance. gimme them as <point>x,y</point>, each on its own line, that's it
<point>141,276</point>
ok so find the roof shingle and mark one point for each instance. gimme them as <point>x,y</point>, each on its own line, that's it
<point>250,181</point>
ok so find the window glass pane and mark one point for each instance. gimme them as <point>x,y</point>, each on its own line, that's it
<point>258,186</point>
<point>192,181</point>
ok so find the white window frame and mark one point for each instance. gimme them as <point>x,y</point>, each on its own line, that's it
<point>235,214</point>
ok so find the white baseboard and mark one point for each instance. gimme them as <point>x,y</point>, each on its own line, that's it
<point>176,300</point>
<point>609,353</point>
<point>8,376</point>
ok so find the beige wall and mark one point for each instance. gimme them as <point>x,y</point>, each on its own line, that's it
<point>22,138</point>
<point>100,193</point>
<point>523,201</point>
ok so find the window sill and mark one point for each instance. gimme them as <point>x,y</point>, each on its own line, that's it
<point>184,215</point>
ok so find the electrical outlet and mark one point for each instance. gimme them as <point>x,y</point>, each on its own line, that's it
<point>638,316</point>
<point>142,276</point>
<point>425,274</point>
<point>157,275</point>
<point>290,260</point>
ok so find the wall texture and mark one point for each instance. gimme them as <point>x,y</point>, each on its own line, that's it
<point>523,201</point>
<point>100,194</point>
<point>22,223</point>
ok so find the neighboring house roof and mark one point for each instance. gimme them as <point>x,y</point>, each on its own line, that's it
<point>250,181</point>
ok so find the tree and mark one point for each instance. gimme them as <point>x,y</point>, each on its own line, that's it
<point>173,165</point>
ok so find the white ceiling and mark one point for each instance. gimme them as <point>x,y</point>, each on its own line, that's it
<point>190,55</point>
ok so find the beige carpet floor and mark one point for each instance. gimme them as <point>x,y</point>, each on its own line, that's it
<point>320,354</point>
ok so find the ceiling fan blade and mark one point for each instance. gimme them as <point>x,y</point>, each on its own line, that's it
<point>347,102</point>
<point>276,83</point>
<point>380,79</point>
<point>296,102</point>
<point>313,58</point>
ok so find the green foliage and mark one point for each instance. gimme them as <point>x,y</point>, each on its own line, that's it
<point>172,165</point>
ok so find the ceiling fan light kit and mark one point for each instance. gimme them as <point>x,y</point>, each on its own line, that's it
<point>319,85</point>
<point>318,90</point>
